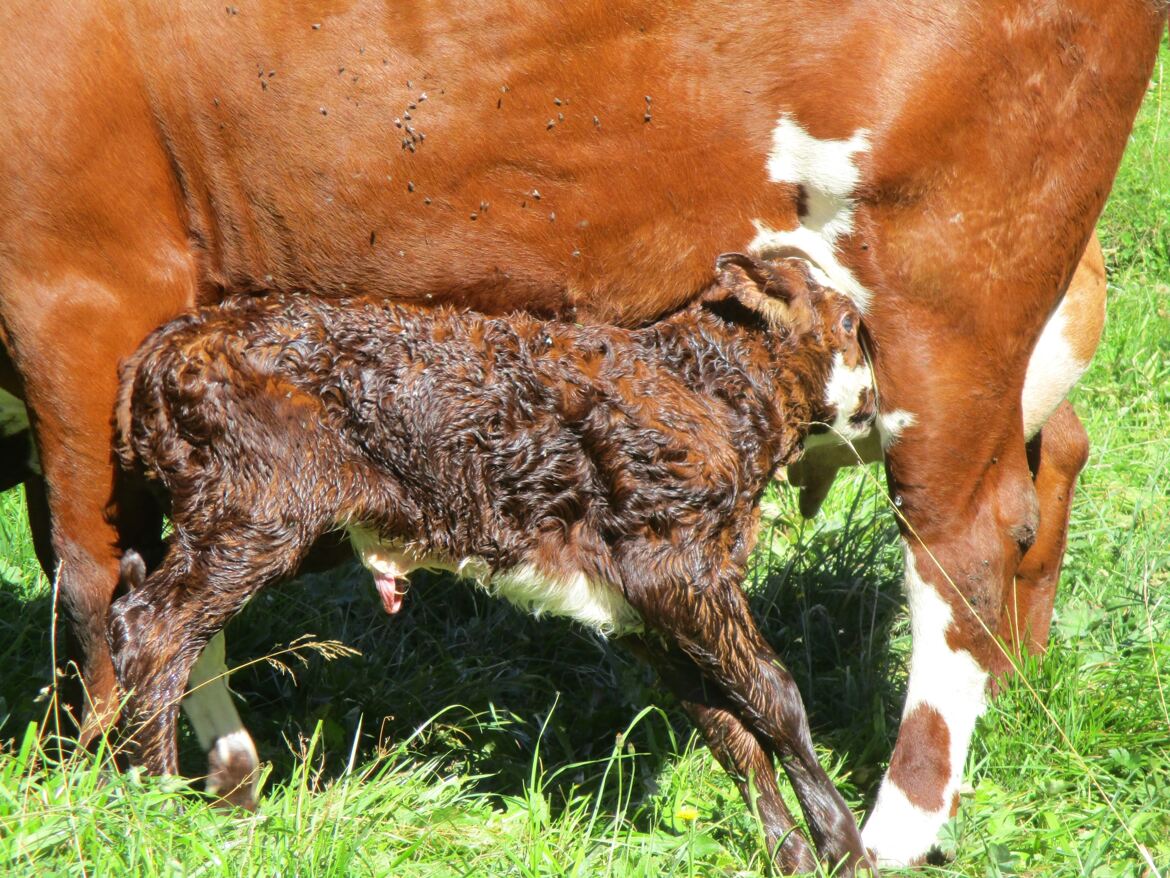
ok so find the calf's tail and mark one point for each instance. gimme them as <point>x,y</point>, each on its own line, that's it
<point>152,435</point>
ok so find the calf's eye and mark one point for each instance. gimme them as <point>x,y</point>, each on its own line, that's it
<point>848,323</point>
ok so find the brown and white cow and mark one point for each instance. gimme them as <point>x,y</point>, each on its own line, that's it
<point>943,163</point>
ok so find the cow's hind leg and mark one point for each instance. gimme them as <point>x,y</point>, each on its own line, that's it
<point>736,748</point>
<point>231,755</point>
<point>66,350</point>
<point>94,515</point>
<point>1056,455</point>
<point>712,624</point>
<point>103,255</point>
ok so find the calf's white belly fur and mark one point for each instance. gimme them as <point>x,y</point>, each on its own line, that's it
<point>599,606</point>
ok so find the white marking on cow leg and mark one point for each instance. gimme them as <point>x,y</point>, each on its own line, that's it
<point>209,708</point>
<point>1053,369</point>
<point>950,686</point>
<point>829,173</point>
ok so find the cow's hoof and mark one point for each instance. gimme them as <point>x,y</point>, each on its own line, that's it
<point>233,771</point>
<point>938,857</point>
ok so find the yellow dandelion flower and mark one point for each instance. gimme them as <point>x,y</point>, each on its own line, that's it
<point>686,813</point>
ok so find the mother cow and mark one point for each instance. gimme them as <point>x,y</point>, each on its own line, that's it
<point>942,162</point>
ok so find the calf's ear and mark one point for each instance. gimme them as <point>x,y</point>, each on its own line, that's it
<point>777,296</point>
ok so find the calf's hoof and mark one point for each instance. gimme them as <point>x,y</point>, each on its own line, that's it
<point>867,868</point>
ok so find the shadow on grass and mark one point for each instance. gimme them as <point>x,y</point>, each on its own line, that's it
<point>834,611</point>
<point>828,606</point>
<point>25,652</point>
<point>493,673</point>
<point>507,687</point>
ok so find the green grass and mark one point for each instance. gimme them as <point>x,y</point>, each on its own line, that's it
<point>467,739</point>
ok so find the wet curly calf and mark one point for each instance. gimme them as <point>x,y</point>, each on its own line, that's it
<point>605,474</point>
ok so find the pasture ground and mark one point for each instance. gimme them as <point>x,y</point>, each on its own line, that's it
<point>469,740</point>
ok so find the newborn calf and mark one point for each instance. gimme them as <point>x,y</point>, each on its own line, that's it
<point>608,475</point>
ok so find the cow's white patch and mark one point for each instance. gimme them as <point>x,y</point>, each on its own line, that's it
<point>1052,371</point>
<point>596,605</point>
<point>826,168</point>
<point>209,708</point>
<point>952,683</point>
<point>829,173</point>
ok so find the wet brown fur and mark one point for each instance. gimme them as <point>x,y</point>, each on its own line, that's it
<point>637,457</point>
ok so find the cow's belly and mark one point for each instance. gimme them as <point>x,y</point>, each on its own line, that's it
<point>568,158</point>
<point>558,162</point>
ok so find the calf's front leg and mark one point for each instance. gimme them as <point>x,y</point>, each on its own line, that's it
<point>709,621</point>
<point>159,628</point>
<point>735,746</point>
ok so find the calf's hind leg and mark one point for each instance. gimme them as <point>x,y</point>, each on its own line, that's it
<point>159,628</point>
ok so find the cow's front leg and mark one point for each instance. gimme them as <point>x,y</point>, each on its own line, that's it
<point>1057,454</point>
<point>968,509</point>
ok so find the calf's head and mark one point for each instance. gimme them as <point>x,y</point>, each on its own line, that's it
<point>823,328</point>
